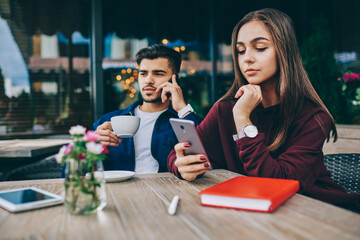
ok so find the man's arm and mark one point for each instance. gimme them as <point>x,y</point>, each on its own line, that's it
<point>177,100</point>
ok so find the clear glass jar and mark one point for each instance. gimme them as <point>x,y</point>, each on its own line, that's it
<point>85,190</point>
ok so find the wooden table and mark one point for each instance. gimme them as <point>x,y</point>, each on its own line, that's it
<point>348,140</point>
<point>137,209</point>
<point>28,148</point>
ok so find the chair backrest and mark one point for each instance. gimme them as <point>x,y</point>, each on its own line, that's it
<point>43,169</point>
<point>345,170</point>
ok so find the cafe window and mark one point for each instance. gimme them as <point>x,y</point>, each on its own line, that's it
<point>45,57</point>
<point>181,25</point>
<point>44,62</point>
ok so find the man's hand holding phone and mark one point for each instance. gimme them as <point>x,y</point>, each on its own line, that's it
<point>173,89</point>
<point>190,166</point>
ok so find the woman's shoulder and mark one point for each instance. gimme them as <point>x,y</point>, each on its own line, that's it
<point>310,109</point>
<point>226,103</point>
<point>312,114</point>
<point>222,108</point>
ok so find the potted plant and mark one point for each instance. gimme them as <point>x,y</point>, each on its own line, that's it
<point>84,179</point>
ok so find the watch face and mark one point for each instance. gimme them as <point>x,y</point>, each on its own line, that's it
<point>251,131</point>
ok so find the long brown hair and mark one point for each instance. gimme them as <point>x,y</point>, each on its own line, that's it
<point>294,85</point>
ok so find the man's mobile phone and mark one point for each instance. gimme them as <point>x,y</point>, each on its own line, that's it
<point>185,131</point>
<point>177,78</point>
<point>170,80</point>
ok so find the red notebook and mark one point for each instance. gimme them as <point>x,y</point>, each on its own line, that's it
<point>250,193</point>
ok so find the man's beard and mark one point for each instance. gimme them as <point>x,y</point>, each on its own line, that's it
<point>156,100</point>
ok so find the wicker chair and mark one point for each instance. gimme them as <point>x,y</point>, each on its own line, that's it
<point>345,170</point>
<point>43,169</point>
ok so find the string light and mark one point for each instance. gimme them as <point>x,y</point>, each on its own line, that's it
<point>165,41</point>
<point>127,83</point>
<point>182,48</point>
<point>177,49</point>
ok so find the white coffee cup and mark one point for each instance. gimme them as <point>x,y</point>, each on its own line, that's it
<point>125,126</point>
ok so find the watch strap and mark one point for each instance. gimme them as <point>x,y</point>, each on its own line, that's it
<point>185,110</point>
<point>241,133</point>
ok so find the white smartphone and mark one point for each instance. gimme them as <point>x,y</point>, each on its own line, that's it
<point>185,131</point>
<point>23,199</point>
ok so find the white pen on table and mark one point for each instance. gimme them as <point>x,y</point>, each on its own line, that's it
<point>173,205</point>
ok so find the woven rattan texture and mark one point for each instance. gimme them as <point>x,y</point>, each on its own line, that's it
<point>345,170</point>
<point>43,169</point>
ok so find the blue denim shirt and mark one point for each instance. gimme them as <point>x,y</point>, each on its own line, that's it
<point>163,140</point>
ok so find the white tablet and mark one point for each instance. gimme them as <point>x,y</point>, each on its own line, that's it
<point>23,199</point>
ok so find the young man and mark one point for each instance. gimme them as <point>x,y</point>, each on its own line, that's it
<point>162,99</point>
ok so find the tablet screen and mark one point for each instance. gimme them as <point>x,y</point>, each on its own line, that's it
<point>24,196</point>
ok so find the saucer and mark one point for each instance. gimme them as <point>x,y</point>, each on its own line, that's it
<point>117,176</point>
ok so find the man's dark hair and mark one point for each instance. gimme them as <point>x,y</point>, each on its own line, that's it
<point>160,51</point>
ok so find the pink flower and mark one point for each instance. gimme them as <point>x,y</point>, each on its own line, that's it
<point>60,155</point>
<point>351,77</point>
<point>68,149</point>
<point>82,156</point>
<point>91,136</point>
<point>64,150</point>
<point>346,77</point>
<point>105,150</point>
<point>77,130</point>
<point>354,76</point>
<point>95,148</point>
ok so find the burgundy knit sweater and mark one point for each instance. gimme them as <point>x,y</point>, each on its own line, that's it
<point>300,158</point>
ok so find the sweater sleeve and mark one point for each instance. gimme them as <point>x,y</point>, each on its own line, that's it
<point>194,117</point>
<point>301,158</point>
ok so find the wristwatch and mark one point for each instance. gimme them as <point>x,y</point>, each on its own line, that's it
<point>249,131</point>
<point>185,110</point>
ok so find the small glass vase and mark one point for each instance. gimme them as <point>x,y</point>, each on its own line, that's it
<point>85,191</point>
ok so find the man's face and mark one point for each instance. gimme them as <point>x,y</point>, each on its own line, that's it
<point>152,73</point>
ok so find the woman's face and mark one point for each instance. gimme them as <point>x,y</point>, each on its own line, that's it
<point>256,53</point>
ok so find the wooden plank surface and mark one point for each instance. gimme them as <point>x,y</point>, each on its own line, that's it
<point>21,148</point>
<point>137,209</point>
<point>348,140</point>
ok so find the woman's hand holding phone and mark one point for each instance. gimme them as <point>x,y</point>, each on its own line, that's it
<point>189,166</point>
<point>173,89</point>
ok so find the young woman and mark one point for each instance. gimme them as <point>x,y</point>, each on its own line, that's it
<point>271,123</point>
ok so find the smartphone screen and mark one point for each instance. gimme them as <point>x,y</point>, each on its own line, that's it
<point>24,196</point>
<point>23,199</point>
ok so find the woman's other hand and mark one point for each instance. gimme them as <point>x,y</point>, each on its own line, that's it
<point>249,97</point>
